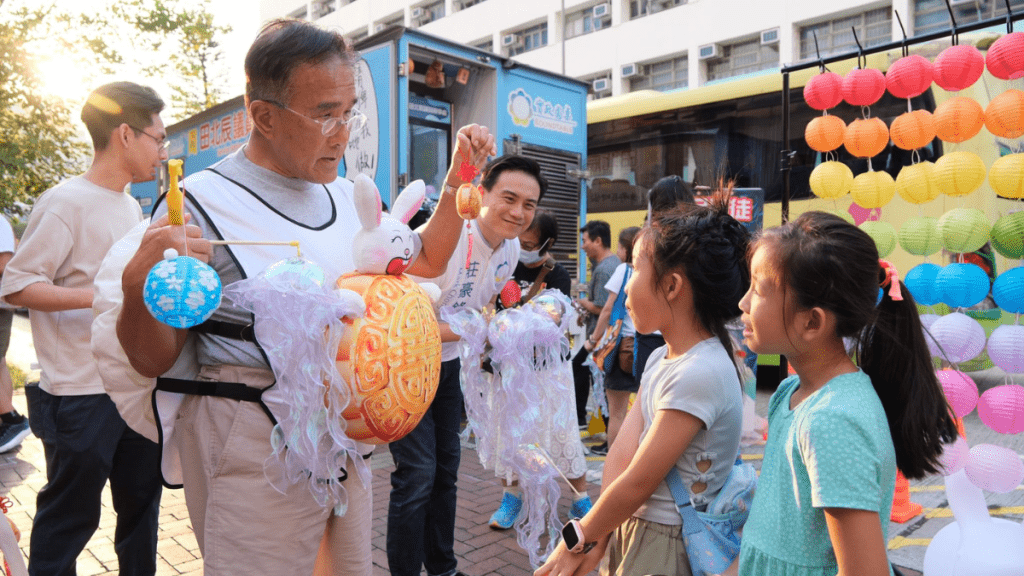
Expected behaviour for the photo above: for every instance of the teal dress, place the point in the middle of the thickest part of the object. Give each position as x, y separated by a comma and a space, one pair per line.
833, 451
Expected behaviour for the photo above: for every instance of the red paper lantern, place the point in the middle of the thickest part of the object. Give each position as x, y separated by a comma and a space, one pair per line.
913, 130
863, 86
1005, 58
824, 91
866, 137
825, 133
1004, 115
957, 67
958, 119
909, 76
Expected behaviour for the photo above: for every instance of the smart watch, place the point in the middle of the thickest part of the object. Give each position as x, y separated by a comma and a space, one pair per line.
572, 535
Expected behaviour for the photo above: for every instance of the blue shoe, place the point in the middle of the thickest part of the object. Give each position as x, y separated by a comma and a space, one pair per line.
580, 507
507, 513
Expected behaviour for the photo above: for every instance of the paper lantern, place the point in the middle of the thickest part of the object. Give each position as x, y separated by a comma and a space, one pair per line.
873, 189
994, 468
1008, 235
959, 336
181, 291
962, 285
926, 322
916, 183
1006, 349
957, 67
1002, 408
958, 119
831, 180
1005, 59
883, 234
964, 230
825, 133
920, 235
863, 86
1008, 290
920, 280
824, 91
959, 173
866, 137
909, 76
913, 130
1007, 176
954, 456
960, 390
1004, 115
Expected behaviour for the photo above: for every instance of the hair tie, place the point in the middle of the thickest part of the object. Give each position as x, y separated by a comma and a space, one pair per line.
892, 279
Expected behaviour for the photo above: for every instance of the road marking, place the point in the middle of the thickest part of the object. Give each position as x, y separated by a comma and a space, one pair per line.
998, 511
940, 487
899, 542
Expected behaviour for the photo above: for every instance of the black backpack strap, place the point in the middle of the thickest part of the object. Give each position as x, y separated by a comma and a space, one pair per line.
232, 390
243, 332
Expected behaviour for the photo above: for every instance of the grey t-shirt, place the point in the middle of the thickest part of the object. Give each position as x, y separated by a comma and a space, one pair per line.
598, 278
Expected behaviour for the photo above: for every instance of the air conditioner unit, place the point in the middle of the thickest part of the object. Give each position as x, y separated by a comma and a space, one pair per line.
961, 2
602, 85
770, 37
629, 70
456, 5
417, 13
510, 40
379, 27
707, 51
603, 11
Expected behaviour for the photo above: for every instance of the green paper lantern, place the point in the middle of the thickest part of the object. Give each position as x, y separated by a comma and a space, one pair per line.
831, 180
844, 215
1008, 235
873, 189
959, 173
920, 236
916, 183
964, 230
883, 234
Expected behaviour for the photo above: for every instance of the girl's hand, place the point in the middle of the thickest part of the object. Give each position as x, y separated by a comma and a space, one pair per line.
561, 562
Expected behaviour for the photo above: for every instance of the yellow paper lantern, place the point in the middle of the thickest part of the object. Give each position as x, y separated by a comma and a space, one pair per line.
873, 189
916, 183
1004, 115
958, 119
831, 180
825, 133
913, 130
1007, 176
866, 137
959, 173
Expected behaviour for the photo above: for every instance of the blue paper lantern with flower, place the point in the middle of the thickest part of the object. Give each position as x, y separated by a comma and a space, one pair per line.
1008, 290
962, 285
920, 280
181, 291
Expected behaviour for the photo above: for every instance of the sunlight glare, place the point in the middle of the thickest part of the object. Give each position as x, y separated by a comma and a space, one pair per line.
61, 77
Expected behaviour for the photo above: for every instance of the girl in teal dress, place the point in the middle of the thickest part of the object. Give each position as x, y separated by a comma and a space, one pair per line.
838, 429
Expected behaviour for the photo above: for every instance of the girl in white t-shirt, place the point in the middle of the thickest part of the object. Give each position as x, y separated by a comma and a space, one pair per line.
690, 272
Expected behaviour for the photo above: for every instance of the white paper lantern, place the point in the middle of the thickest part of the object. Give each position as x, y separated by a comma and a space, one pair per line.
926, 322
954, 456
959, 336
994, 468
1006, 348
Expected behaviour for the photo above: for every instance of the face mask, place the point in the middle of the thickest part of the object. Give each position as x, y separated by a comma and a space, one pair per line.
529, 257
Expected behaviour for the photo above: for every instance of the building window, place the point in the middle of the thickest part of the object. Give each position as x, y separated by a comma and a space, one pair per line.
742, 58
357, 35
484, 44
427, 13
393, 20
298, 13
583, 21
874, 27
640, 8
322, 8
463, 4
932, 15
529, 39
662, 76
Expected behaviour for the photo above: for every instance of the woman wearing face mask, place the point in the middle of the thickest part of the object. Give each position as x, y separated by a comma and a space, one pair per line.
537, 270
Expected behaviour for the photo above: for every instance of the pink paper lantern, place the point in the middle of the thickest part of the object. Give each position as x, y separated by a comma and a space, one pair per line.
1005, 58
960, 390
909, 76
994, 468
824, 91
1002, 408
1006, 348
863, 86
954, 457
959, 336
926, 321
957, 67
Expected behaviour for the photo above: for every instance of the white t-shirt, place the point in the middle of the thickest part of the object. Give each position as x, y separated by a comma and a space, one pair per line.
614, 286
702, 382
474, 285
6, 236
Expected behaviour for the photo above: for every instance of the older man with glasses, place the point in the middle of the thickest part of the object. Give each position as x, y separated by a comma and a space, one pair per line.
282, 185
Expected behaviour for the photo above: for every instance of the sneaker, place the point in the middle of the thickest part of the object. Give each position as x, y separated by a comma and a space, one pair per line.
600, 449
580, 507
11, 435
507, 513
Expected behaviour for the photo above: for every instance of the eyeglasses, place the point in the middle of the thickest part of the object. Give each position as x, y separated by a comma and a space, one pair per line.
163, 143
353, 120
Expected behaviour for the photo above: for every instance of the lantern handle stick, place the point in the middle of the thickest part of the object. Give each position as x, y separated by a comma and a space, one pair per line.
821, 61
952, 24
906, 50
861, 60
1009, 17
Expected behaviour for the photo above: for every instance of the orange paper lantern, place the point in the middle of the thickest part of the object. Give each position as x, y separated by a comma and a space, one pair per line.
866, 137
959, 173
873, 189
825, 133
958, 119
863, 86
913, 130
957, 67
1005, 59
1004, 115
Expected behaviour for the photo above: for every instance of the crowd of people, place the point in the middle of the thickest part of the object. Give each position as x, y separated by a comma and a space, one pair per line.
838, 428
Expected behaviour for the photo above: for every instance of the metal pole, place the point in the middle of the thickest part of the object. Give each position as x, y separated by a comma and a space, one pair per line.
787, 154
562, 20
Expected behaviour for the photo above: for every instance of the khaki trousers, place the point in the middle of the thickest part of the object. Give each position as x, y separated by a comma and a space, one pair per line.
242, 523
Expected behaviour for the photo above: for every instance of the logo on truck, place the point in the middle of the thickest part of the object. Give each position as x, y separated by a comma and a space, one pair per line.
545, 115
